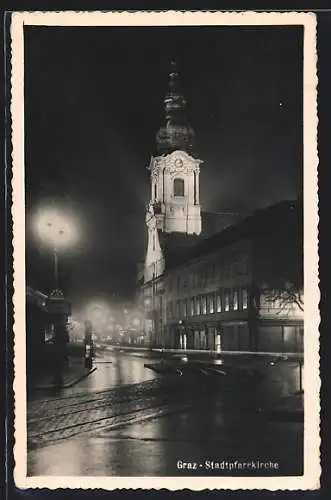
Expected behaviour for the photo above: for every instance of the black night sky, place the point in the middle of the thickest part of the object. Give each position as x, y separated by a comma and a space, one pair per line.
94, 102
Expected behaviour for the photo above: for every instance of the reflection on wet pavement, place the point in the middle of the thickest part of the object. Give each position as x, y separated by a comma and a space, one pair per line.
119, 370
154, 447
124, 420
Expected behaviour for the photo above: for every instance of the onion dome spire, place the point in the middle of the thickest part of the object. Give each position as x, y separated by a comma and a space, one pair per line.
176, 133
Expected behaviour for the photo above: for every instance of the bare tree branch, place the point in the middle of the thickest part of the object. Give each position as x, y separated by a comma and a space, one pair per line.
284, 295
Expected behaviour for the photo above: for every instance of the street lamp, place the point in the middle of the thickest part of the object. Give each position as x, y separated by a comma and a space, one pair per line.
57, 230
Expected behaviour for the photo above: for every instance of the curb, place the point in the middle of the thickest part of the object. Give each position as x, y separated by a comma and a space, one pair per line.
68, 384
162, 370
217, 354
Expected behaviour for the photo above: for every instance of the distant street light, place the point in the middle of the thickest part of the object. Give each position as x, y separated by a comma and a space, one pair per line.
97, 311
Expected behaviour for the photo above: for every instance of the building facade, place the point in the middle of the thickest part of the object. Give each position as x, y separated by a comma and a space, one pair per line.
239, 289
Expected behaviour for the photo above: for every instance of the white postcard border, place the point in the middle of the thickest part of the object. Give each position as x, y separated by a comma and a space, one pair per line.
312, 468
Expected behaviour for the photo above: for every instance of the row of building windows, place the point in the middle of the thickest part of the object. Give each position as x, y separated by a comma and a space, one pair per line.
222, 300
208, 274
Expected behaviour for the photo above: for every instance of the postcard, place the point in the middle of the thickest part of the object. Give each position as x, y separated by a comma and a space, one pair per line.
165, 249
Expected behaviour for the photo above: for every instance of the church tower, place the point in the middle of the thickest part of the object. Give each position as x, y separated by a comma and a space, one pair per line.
174, 206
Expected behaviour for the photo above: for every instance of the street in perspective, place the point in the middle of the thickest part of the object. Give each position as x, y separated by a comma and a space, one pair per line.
144, 412
165, 323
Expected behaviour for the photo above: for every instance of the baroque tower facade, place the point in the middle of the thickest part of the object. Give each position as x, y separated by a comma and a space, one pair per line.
174, 206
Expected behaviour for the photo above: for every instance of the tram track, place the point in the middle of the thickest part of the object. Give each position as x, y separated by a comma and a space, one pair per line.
62, 421
38, 408
112, 422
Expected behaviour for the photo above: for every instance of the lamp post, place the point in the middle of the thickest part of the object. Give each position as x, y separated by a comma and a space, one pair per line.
57, 231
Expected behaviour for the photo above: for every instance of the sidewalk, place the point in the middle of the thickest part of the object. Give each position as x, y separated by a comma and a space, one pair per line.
73, 372
274, 383
289, 408
207, 354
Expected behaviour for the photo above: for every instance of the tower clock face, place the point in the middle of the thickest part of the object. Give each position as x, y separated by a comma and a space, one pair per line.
179, 162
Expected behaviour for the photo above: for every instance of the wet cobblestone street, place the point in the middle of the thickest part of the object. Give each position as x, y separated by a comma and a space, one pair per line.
146, 427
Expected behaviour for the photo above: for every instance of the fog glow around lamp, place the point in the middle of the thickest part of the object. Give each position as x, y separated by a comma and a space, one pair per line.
55, 229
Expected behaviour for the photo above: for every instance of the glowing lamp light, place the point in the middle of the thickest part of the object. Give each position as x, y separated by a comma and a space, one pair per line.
55, 228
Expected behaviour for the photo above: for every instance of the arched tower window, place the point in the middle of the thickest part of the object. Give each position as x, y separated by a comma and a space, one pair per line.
178, 187
155, 191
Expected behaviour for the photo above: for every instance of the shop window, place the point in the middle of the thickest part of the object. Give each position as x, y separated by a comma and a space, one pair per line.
227, 301
218, 342
244, 298
235, 300
196, 339
203, 340
270, 339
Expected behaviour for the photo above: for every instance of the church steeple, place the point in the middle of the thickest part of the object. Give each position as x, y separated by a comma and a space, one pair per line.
176, 134
174, 206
